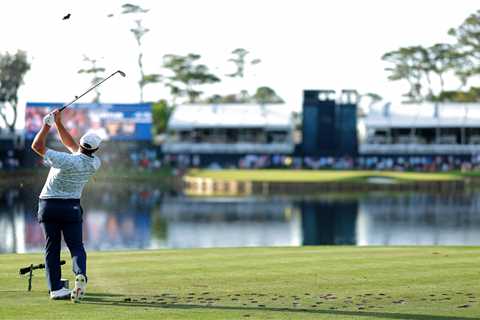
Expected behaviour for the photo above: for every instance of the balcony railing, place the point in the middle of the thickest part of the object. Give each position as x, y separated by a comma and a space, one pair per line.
233, 148
417, 148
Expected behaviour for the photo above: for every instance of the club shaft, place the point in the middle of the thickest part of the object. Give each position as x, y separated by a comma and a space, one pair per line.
78, 97
34, 267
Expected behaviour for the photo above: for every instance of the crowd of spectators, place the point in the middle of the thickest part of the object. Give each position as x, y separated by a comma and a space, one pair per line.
142, 159
394, 163
150, 158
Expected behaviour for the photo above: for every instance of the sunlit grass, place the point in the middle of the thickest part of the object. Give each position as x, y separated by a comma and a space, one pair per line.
258, 283
268, 175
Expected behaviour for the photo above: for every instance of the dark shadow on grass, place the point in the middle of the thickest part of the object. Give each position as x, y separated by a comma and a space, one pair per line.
112, 295
96, 298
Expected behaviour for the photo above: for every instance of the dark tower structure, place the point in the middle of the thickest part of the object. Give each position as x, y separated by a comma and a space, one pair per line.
318, 122
346, 123
329, 129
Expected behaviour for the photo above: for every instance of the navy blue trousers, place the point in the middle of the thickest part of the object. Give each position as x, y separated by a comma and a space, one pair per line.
62, 217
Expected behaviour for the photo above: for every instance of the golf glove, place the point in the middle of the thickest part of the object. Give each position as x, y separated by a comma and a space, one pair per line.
49, 119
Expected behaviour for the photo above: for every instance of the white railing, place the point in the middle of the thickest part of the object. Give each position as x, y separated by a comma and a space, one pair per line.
185, 147
418, 149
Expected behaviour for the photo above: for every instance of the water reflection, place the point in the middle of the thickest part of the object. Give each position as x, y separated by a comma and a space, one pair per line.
419, 218
231, 222
138, 216
329, 222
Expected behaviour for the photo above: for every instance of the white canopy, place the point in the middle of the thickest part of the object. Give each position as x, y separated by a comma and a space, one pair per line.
269, 116
427, 115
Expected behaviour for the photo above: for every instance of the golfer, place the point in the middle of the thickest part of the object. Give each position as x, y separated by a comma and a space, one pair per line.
59, 210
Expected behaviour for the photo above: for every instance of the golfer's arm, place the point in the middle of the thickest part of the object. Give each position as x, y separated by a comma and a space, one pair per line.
66, 138
38, 144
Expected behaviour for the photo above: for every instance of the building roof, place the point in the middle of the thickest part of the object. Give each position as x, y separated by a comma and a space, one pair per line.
269, 116
424, 115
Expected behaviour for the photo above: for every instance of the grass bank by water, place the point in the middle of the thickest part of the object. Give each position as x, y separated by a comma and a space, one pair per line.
319, 176
258, 175
436, 283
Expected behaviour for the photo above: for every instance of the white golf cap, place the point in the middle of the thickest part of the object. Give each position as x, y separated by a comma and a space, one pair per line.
90, 140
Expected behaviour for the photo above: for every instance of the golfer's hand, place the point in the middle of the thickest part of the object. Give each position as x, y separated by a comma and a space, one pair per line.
58, 116
48, 119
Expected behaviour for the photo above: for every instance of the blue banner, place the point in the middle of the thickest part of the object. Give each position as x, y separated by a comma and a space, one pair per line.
118, 121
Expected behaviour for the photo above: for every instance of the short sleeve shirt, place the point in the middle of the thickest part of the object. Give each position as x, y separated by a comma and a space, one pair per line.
69, 173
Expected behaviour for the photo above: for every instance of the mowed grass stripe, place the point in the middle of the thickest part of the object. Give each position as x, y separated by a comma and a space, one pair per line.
275, 175
259, 283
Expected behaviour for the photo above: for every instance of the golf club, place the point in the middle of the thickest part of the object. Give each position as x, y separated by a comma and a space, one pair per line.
78, 97
34, 267
30, 269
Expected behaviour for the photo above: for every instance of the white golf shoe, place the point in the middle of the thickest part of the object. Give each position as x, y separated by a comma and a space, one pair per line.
60, 294
79, 290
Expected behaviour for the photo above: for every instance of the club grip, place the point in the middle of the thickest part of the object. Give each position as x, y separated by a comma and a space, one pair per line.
26, 269
34, 267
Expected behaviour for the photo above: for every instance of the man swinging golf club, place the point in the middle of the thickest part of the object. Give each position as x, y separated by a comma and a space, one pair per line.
59, 210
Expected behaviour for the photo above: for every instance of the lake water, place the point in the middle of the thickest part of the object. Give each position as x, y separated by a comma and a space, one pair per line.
141, 216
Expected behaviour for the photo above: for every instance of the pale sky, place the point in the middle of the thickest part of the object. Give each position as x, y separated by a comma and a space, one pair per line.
302, 44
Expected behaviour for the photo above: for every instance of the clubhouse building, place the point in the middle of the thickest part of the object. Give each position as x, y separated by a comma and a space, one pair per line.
422, 129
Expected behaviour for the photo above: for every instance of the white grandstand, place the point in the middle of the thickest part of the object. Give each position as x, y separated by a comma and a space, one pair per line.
451, 128
230, 129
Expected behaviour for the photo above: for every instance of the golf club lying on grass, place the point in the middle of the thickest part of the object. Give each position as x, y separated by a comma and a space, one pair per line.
78, 97
30, 269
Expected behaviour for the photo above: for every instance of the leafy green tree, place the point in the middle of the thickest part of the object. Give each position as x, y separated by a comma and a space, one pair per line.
408, 63
13, 68
187, 75
266, 95
240, 60
263, 94
96, 72
215, 98
151, 78
175, 90
467, 36
471, 95
139, 31
223, 99
441, 57
463, 68
161, 112
416, 64
242, 97
426, 66
372, 97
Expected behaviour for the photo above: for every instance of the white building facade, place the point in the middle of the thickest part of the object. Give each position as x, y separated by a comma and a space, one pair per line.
421, 129
230, 129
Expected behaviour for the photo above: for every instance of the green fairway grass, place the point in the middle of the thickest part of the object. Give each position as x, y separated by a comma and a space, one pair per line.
272, 175
436, 283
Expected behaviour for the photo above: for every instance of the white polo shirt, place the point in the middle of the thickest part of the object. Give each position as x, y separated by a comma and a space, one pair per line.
69, 173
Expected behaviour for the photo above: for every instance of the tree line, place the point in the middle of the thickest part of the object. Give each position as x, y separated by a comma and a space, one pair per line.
184, 75
441, 72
